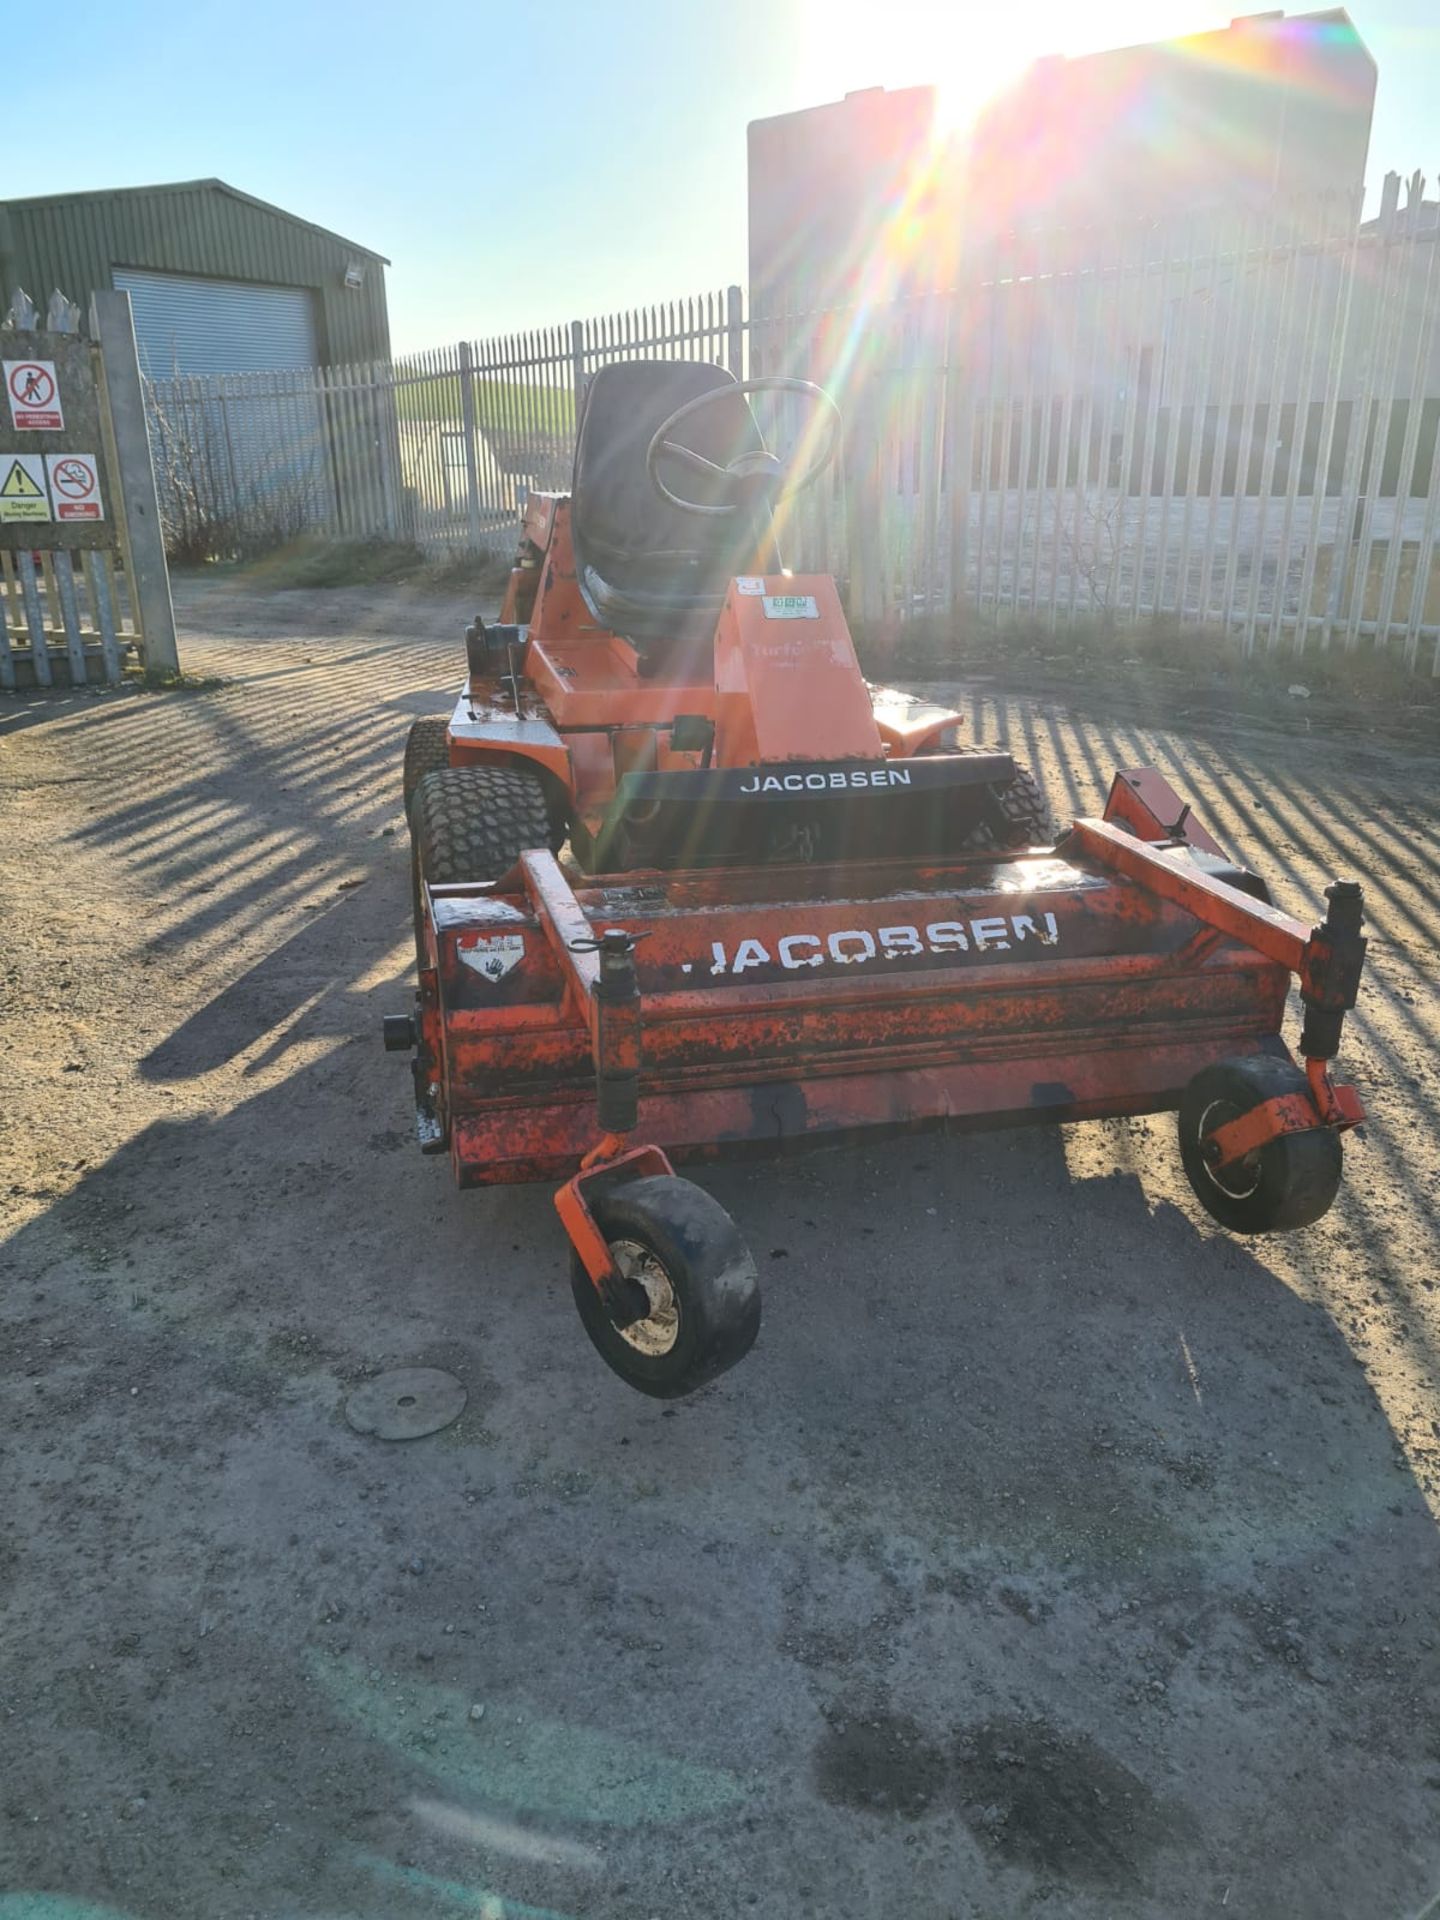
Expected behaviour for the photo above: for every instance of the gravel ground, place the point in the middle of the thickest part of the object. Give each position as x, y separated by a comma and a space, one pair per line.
1051, 1553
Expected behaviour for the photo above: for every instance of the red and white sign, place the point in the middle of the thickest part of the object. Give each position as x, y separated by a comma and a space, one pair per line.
34, 395
74, 486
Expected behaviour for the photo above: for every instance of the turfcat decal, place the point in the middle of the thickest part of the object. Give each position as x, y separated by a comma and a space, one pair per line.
991, 933
825, 782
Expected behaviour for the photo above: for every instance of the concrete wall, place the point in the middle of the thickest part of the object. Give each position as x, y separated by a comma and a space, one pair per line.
857, 196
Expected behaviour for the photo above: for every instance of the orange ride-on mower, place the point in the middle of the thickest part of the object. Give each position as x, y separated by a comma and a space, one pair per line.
793, 906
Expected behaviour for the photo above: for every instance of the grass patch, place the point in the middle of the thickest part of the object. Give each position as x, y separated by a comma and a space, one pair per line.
499, 404
467, 572
331, 563
166, 680
310, 563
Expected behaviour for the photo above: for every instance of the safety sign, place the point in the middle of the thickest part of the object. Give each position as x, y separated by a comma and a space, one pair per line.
22, 487
34, 396
75, 486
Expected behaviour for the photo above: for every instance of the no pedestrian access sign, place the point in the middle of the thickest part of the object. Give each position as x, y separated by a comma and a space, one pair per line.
75, 486
34, 396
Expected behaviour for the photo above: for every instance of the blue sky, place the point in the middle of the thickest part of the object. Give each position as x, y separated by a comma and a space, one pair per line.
524, 164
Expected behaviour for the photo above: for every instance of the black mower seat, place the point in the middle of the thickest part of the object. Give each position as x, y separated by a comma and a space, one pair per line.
648, 571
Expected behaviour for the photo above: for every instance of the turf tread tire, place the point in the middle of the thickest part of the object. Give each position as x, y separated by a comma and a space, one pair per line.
709, 1266
427, 750
473, 823
1298, 1173
1017, 813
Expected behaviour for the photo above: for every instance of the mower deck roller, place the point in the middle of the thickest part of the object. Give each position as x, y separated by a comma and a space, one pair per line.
793, 910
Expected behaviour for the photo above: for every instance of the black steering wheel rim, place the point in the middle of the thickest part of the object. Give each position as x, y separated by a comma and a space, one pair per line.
660, 443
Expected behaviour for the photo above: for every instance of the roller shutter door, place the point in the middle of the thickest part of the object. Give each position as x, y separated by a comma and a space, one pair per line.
239, 437
191, 325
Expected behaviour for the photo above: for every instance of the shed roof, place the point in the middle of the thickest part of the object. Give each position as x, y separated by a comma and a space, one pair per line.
196, 186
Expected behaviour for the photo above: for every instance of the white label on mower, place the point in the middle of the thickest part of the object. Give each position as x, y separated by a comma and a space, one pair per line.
991, 933
790, 606
825, 782
750, 585
491, 955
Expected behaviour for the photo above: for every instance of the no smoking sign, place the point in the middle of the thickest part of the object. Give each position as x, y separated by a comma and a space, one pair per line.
34, 395
74, 486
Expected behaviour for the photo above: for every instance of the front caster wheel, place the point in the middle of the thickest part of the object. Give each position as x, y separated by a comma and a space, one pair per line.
1289, 1182
685, 1251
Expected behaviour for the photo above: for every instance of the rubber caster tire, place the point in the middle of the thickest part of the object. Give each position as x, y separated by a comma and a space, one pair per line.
688, 1254
1289, 1182
427, 750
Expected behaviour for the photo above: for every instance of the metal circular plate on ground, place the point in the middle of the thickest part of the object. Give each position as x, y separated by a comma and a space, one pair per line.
406, 1403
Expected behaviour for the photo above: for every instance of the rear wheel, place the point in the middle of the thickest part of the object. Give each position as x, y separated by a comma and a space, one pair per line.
1289, 1182
1016, 814
427, 750
677, 1243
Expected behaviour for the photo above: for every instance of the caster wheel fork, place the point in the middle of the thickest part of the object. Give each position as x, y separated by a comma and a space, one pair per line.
663, 1282
1260, 1149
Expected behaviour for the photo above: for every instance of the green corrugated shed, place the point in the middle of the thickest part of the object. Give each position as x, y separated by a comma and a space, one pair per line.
206, 230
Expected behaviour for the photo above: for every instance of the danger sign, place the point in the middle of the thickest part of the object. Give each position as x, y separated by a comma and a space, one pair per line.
22, 487
34, 395
75, 486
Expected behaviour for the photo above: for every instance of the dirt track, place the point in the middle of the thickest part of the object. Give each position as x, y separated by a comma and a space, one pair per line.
1052, 1552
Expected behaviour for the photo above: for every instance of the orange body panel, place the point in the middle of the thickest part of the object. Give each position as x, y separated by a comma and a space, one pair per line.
1140, 797
596, 682
777, 689
789, 688
558, 610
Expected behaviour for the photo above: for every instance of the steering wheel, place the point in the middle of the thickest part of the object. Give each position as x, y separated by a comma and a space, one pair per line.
755, 461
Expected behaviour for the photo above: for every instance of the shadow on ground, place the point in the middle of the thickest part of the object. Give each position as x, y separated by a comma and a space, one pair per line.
1043, 1542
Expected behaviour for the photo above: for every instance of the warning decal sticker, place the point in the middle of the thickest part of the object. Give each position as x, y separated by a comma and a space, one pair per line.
490, 955
22, 487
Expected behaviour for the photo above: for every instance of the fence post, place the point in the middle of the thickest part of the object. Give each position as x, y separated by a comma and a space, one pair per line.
387, 439
577, 363
472, 457
1354, 473
735, 331
114, 329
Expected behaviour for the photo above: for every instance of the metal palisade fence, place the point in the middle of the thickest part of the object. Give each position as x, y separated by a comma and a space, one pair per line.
438, 448
1229, 421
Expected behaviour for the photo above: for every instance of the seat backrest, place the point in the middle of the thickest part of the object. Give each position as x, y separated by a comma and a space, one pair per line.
619, 523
